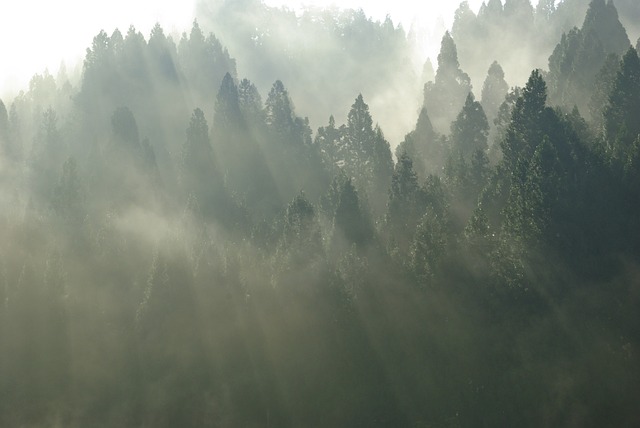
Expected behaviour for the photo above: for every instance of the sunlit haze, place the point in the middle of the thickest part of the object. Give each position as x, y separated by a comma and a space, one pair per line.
38, 35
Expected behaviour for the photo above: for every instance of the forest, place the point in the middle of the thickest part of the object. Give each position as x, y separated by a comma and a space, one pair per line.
276, 219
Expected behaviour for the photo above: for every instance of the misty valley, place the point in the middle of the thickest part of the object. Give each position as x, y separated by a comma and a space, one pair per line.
281, 219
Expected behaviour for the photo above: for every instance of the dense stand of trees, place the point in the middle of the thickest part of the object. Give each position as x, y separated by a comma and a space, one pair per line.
178, 250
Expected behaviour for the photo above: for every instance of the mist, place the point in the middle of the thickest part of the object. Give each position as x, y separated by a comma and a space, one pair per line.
243, 214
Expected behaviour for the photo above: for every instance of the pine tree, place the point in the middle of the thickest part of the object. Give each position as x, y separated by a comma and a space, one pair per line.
406, 204
494, 90
424, 147
621, 114
302, 237
68, 196
279, 112
228, 117
445, 97
351, 224
470, 130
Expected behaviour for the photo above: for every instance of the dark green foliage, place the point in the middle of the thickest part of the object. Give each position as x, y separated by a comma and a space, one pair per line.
406, 204
621, 114
428, 247
603, 87
470, 129
351, 224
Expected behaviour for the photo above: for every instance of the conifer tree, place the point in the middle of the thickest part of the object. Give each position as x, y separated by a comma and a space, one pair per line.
445, 97
621, 114
494, 90
470, 129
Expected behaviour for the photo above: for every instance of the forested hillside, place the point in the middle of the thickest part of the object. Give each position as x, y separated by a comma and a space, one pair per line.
213, 229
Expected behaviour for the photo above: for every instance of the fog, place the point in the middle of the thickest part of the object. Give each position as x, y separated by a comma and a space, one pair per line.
233, 213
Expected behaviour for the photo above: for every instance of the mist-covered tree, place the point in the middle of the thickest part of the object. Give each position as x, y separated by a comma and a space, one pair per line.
470, 129
351, 222
361, 150
581, 53
197, 167
47, 155
302, 237
163, 53
424, 147
279, 112
445, 97
68, 201
519, 15
494, 90
544, 11
126, 137
250, 103
5, 143
204, 61
602, 19
405, 206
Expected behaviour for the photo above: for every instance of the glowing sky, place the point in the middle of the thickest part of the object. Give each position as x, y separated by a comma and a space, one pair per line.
39, 34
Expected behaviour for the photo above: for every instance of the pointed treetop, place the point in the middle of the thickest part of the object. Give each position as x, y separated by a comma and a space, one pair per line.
359, 118
495, 70
448, 56
535, 93
603, 21
227, 106
278, 108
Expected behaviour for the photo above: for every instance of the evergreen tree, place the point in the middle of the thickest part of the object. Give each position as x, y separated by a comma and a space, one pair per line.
494, 91
351, 223
424, 147
204, 62
428, 247
279, 112
250, 103
302, 237
406, 204
602, 19
126, 138
603, 87
581, 53
68, 196
163, 53
445, 97
228, 117
5, 144
621, 114
198, 173
470, 129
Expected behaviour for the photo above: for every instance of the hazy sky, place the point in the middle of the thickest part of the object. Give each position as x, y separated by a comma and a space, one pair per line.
39, 34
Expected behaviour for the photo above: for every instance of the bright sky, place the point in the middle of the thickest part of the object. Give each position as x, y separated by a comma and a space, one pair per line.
39, 34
